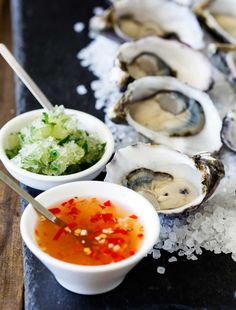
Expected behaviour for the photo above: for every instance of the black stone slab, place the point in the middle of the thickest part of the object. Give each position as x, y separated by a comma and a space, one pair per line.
46, 45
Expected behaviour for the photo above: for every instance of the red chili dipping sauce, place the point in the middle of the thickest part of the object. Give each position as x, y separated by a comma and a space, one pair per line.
105, 232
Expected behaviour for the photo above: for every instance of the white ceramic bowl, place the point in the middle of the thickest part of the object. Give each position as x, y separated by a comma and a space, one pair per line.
92, 279
87, 122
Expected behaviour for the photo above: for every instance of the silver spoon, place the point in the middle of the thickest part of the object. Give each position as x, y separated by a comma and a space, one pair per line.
36, 205
25, 78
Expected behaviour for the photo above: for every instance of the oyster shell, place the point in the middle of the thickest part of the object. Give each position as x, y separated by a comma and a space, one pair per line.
228, 133
171, 180
132, 20
172, 113
220, 17
223, 57
182, 2
153, 56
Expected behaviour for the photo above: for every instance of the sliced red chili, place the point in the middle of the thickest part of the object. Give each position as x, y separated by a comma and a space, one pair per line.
140, 235
72, 225
55, 210
71, 201
120, 231
73, 211
58, 234
101, 206
97, 229
93, 253
115, 240
96, 217
64, 203
133, 216
91, 237
116, 256
107, 217
107, 203
107, 251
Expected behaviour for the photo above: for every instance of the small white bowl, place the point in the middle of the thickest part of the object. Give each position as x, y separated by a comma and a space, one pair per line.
90, 280
42, 182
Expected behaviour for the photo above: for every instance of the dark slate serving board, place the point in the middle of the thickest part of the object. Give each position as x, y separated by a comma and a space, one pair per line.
46, 45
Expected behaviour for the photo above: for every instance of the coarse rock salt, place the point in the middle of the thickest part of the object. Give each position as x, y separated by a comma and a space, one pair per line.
98, 10
79, 27
212, 226
211, 217
161, 270
81, 90
172, 259
156, 254
99, 57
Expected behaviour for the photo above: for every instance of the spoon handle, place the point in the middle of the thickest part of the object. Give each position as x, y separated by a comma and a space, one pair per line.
37, 206
25, 78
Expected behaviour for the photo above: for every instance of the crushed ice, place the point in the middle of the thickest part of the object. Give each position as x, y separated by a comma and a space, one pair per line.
212, 227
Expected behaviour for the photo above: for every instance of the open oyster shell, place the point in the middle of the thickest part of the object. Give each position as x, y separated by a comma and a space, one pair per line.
132, 20
172, 113
220, 17
172, 181
228, 133
223, 57
182, 2
153, 56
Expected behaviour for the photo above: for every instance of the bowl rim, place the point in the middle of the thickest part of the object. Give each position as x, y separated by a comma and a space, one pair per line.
109, 149
142, 251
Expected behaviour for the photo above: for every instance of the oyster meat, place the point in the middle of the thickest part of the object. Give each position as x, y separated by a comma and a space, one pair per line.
219, 17
153, 56
132, 20
223, 57
172, 113
172, 181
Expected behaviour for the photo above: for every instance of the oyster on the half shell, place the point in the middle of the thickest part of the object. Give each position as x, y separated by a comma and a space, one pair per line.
132, 20
172, 181
223, 57
228, 133
153, 56
172, 113
220, 17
